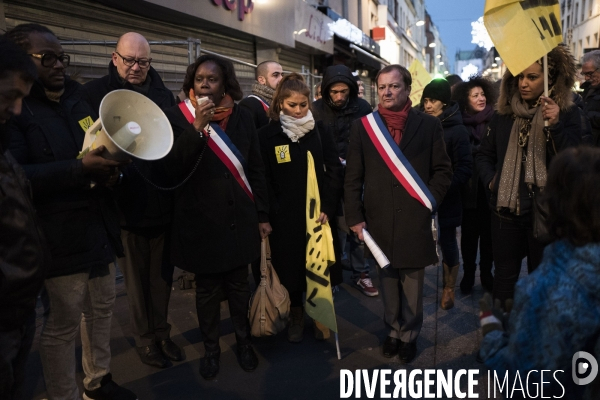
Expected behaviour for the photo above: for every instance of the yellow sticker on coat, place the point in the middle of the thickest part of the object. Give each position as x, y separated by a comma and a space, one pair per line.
86, 123
282, 153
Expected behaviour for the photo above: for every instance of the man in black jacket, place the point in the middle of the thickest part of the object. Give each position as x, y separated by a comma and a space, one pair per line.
21, 244
79, 222
337, 109
590, 69
268, 75
145, 210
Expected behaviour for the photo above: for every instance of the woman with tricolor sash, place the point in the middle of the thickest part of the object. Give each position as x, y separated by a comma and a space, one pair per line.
220, 209
522, 138
285, 142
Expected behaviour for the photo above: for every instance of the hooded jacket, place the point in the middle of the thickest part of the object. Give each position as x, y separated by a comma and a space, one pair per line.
144, 209
80, 223
566, 133
338, 120
458, 147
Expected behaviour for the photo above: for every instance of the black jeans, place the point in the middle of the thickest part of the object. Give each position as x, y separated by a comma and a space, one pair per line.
476, 231
210, 290
14, 349
449, 246
512, 240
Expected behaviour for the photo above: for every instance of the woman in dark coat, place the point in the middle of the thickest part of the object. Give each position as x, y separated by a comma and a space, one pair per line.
436, 102
216, 229
476, 99
285, 142
514, 155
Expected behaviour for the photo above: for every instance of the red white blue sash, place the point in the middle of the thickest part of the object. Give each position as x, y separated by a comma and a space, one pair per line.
264, 103
223, 147
397, 162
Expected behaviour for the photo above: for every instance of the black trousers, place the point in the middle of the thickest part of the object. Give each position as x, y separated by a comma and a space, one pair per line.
14, 349
512, 240
210, 290
148, 279
476, 231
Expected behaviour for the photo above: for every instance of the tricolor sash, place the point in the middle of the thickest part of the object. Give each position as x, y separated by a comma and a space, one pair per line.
223, 147
264, 103
397, 162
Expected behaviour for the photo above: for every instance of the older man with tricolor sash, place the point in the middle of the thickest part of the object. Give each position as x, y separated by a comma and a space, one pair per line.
397, 173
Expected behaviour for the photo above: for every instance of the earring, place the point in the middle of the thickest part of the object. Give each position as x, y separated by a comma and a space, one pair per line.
223, 94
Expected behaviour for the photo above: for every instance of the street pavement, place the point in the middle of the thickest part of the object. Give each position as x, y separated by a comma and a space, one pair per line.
308, 370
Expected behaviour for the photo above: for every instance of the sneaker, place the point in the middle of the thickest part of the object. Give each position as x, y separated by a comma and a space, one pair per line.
365, 285
109, 390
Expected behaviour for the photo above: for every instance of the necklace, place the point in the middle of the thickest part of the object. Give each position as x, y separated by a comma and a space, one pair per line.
524, 133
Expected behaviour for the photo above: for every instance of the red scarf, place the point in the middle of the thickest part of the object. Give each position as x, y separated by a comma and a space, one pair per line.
395, 120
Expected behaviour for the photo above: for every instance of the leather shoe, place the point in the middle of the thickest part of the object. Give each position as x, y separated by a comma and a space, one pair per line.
171, 350
247, 357
407, 351
209, 365
151, 355
390, 347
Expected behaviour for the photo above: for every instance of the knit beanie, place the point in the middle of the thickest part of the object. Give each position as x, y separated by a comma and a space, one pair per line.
438, 89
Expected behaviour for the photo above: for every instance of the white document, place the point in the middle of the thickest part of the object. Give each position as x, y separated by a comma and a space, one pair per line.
381, 259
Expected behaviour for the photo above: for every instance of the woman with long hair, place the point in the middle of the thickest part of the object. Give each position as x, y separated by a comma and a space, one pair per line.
515, 153
436, 102
476, 99
220, 210
285, 142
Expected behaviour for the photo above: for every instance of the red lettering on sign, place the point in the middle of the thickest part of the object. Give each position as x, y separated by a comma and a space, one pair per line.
244, 6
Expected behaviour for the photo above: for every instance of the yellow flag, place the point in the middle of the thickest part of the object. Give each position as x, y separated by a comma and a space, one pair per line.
523, 31
420, 79
319, 256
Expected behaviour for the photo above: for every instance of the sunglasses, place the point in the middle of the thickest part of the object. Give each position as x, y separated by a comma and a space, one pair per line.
49, 60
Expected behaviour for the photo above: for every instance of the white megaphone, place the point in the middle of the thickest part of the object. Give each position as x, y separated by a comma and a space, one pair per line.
130, 125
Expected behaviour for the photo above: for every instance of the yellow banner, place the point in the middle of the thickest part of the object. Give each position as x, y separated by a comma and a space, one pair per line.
420, 79
319, 256
523, 31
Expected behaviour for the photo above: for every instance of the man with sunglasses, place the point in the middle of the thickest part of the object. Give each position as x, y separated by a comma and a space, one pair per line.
590, 69
145, 211
80, 222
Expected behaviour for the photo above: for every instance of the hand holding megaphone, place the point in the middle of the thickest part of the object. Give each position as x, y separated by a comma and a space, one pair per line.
100, 169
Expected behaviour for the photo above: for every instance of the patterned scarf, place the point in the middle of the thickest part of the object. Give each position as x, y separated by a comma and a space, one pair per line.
477, 122
295, 128
528, 121
396, 120
263, 91
222, 111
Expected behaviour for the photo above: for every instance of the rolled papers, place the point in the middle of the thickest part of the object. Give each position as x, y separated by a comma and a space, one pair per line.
376, 251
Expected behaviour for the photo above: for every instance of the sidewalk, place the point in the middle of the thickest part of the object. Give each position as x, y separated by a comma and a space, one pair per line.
309, 370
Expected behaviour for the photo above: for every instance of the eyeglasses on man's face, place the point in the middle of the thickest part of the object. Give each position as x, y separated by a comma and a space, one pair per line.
49, 60
588, 75
130, 61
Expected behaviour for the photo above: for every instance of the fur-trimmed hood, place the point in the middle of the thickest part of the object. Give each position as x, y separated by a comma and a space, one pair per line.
561, 71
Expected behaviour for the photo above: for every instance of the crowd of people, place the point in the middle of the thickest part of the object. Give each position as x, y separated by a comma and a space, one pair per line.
475, 158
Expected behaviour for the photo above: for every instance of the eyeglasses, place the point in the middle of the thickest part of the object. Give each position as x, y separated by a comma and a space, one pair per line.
130, 61
49, 60
589, 74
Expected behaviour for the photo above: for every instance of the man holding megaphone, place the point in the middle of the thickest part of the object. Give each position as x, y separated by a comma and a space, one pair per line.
79, 222
145, 211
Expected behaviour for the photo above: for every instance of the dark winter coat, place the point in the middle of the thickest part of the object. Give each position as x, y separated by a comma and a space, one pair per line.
286, 182
458, 148
23, 253
592, 111
258, 112
399, 224
143, 207
338, 121
81, 224
490, 158
215, 223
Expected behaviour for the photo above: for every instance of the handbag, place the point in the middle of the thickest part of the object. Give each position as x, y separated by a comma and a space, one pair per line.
539, 215
270, 303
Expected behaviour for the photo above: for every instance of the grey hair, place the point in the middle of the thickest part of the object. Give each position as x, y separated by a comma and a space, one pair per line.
593, 57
